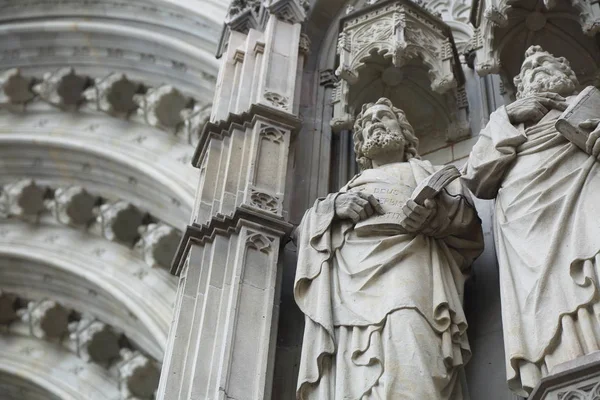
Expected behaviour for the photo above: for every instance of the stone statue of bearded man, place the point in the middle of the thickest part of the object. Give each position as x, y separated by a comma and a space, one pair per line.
380, 278
547, 232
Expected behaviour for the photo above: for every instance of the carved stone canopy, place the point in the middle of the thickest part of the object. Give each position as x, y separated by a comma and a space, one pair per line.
398, 50
505, 29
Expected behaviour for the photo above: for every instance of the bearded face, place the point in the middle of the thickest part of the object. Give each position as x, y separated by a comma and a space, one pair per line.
541, 72
381, 139
382, 133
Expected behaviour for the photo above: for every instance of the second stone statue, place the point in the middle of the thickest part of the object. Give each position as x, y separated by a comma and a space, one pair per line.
380, 278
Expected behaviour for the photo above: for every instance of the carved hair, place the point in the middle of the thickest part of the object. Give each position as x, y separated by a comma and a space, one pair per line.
412, 142
564, 67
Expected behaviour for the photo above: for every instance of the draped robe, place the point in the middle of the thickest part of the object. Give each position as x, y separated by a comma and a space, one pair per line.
384, 317
547, 236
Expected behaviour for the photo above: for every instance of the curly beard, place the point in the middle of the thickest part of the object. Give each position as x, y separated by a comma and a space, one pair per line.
551, 82
381, 140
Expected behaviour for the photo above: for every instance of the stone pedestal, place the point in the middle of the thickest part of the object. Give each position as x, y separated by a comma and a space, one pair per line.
574, 380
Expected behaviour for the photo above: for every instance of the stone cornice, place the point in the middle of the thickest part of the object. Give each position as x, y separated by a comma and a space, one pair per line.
223, 128
226, 225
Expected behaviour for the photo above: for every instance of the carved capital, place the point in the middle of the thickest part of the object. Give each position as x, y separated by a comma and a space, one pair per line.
63, 88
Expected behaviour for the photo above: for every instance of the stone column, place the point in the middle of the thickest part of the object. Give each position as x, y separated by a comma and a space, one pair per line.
222, 340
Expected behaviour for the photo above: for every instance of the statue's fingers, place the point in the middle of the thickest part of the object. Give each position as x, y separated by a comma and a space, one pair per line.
591, 123
558, 105
412, 224
407, 226
537, 114
543, 105
591, 142
362, 214
368, 209
413, 206
355, 207
417, 217
353, 216
550, 95
374, 202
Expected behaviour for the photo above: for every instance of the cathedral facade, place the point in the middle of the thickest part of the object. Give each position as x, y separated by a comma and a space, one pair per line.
158, 157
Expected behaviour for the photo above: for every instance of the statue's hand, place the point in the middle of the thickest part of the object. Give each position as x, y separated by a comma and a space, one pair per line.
356, 206
592, 145
533, 108
417, 217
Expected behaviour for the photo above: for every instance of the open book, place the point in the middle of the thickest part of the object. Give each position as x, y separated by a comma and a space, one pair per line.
392, 198
586, 106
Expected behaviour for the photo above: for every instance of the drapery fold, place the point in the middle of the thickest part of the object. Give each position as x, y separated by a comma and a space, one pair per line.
547, 238
350, 283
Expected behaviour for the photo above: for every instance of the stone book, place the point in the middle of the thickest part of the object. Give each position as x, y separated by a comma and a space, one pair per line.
392, 198
586, 106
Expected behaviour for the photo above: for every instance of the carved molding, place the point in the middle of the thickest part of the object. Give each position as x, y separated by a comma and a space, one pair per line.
63, 88
90, 339
163, 107
73, 206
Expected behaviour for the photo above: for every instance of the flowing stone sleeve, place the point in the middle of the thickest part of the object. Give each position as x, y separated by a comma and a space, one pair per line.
458, 225
316, 246
492, 154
